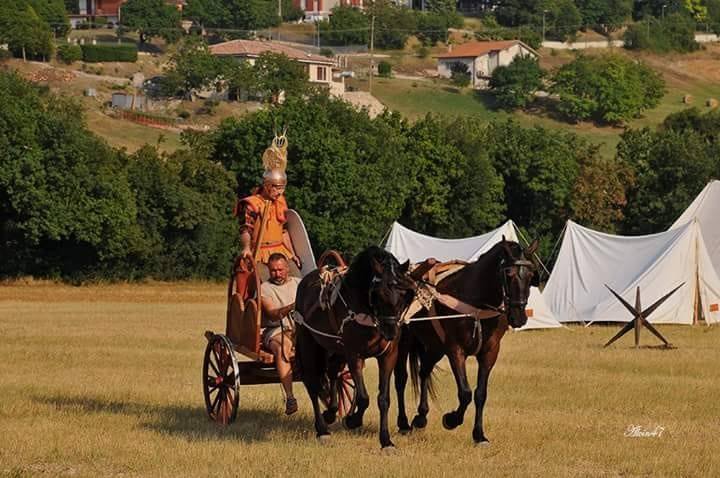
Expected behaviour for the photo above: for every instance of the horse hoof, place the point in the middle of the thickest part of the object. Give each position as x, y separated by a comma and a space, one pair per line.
419, 422
389, 450
329, 417
323, 439
405, 431
352, 423
449, 421
482, 444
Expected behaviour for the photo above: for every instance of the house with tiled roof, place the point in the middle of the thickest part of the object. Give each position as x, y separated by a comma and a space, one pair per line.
481, 58
318, 68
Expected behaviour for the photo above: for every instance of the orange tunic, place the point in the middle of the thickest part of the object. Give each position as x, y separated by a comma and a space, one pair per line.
251, 210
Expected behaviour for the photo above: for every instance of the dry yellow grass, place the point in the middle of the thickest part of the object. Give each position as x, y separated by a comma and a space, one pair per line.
105, 381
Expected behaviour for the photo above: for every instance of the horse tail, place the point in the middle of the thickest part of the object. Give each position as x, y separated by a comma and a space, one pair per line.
415, 358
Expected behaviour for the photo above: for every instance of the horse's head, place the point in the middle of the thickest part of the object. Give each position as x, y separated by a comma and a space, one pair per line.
390, 293
518, 274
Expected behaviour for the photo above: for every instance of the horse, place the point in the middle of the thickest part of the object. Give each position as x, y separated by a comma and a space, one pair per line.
362, 322
498, 286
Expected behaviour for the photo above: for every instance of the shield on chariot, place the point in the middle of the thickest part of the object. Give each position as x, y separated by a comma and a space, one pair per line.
301, 242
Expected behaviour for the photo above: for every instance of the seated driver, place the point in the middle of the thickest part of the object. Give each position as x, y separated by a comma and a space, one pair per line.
277, 297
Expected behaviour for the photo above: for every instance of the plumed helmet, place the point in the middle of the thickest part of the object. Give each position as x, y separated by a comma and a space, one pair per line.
275, 159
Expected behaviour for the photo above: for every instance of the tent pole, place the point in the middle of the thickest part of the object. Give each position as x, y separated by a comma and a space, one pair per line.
696, 302
385, 236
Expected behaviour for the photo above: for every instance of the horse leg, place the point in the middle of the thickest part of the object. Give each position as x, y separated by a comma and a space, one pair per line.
401, 378
386, 363
362, 399
452, 420
312, 364
486, 360
333, 370
428, 360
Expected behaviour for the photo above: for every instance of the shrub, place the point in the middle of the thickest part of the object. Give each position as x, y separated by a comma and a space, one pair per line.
384, 69
514, 85
69, 53
460, 75
184, 114
327, 52
675, 32
609, 88
423, 52
100, 53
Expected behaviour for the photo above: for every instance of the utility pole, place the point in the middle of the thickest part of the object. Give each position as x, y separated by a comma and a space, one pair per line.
372, 49
543, 31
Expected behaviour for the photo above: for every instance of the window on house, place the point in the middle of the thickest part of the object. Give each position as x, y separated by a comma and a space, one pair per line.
321, 73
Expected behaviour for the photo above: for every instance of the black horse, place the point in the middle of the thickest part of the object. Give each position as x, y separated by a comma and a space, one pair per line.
499, 283
362, 322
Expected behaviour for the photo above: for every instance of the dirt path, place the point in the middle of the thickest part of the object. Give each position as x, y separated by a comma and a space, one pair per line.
111, 79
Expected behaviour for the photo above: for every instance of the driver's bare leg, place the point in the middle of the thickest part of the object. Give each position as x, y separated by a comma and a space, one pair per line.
277, 344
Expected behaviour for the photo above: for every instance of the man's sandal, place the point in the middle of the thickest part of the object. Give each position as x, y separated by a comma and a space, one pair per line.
291, 406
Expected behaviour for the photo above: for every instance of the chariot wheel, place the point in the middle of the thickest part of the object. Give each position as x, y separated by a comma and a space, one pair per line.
344, 391
221, 380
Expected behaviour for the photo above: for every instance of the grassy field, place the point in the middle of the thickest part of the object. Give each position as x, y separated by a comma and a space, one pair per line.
105, 381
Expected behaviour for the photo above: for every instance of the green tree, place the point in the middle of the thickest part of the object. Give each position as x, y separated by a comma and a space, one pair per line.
460, 74
66, 207
455, 191
241, 79
53, 13
675, 32
605, 16
209, 13
26, 34
347, 173
276, 73
243, 15
347, 26
184, 210
671, 166
539, 167
151, 18
565, 20
194, 67
393, 23
514, 86
609, 88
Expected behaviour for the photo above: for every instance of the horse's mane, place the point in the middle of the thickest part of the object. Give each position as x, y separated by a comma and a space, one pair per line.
360, 272
486, 261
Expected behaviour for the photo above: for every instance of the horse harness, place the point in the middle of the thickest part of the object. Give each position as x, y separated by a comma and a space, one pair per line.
331, 281
427, 296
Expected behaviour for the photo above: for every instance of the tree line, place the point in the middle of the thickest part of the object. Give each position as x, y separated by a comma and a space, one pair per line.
75, 208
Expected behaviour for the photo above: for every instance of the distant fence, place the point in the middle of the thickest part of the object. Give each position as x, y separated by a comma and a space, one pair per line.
582, 45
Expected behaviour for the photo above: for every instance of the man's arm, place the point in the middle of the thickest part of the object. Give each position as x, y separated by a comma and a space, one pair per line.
289, 245
271, 315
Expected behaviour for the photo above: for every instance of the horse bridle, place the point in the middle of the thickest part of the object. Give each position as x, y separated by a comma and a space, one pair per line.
519, 263
374, 285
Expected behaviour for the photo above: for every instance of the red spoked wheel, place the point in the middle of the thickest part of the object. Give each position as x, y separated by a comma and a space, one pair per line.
346, 392
221, 380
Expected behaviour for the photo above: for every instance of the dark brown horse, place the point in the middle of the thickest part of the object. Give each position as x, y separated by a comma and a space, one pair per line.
498, 281
362, 322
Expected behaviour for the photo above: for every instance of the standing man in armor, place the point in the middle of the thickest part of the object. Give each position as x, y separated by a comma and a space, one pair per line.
262, 220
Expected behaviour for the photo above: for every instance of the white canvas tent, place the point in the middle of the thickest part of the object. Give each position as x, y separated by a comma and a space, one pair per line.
407, 244
706, 210
656, 263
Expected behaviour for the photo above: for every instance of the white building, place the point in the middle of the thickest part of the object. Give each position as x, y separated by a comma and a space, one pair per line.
318, 68
481, 58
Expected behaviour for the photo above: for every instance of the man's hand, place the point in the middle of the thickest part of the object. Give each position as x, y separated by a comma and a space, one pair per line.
246, 254
297, 262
